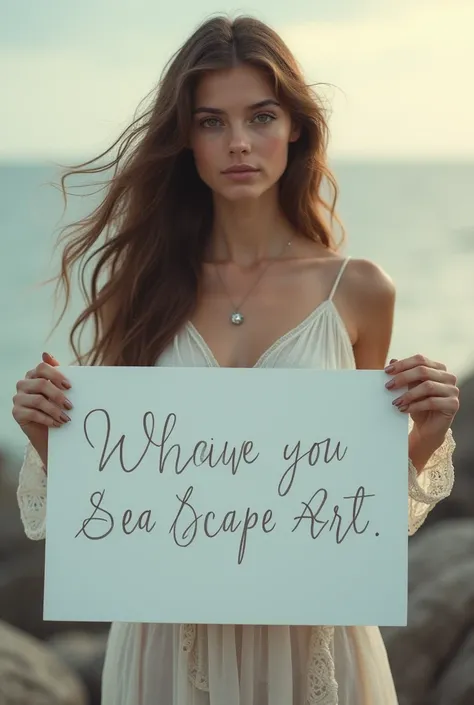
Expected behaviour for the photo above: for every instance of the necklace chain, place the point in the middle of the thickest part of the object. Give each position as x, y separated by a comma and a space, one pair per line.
236, 317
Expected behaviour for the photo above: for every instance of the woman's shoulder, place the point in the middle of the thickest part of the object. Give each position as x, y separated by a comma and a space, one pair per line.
360, 280
364, 294
368, 295
367, 279
369, 288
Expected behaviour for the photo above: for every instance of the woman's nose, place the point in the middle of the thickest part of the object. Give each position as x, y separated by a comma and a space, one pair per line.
239, 142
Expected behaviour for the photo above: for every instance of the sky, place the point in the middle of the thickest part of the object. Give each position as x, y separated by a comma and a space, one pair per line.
73, 74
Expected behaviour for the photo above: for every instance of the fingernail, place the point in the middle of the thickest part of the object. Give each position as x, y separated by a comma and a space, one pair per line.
390, 368
65, 417
55, 423
390, 384
397, 402
393, 360
65, 384
403, 408
67, 405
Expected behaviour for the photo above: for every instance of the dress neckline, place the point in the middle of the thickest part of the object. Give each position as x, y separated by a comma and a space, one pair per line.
327, 304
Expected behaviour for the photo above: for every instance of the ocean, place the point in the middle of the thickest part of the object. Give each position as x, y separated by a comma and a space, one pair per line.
415, 220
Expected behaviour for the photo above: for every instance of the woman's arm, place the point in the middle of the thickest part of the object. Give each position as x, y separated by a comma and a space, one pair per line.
432, 399
371, 294
39, 404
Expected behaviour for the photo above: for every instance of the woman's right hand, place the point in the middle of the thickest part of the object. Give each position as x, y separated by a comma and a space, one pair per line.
40, 403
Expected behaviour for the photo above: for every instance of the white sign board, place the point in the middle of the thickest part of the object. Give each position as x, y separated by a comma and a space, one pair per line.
228, 496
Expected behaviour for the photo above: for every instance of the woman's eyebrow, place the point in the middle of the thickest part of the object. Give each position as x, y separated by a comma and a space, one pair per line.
255, 106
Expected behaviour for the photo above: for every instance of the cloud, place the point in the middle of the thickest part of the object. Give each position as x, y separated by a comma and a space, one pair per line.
402, 76
402, 81
55, 23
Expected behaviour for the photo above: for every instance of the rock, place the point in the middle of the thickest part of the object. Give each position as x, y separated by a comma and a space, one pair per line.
439, 550
31, 674
22, 569
21, 591
440, 612
21, 564
12, 536
456, 685
461, 502
84, 653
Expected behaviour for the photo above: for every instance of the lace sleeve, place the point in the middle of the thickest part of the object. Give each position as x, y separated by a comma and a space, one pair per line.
430, 486
31, 495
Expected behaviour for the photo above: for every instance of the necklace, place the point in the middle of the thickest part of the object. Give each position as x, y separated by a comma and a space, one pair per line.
236, 317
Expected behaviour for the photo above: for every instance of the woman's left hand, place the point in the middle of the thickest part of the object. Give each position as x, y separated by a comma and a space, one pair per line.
432, 398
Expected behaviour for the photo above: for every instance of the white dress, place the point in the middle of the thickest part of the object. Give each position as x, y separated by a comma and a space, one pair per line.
172, 664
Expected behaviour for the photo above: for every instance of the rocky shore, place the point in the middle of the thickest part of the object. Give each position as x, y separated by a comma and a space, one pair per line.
41, 663
51, 663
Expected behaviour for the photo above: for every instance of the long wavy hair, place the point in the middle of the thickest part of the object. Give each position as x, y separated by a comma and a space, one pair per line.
138, 255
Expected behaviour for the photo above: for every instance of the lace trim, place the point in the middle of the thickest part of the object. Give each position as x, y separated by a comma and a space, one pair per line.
432, 485
198, 667
188, 637
321, 682
31, 494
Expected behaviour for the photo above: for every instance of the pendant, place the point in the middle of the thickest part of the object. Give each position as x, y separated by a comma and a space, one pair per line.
237, 319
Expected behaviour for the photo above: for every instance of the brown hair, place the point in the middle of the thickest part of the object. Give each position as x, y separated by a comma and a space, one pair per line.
146, 240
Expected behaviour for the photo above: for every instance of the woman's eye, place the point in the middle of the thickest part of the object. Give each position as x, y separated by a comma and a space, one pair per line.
260, 119
266, 118
213, 120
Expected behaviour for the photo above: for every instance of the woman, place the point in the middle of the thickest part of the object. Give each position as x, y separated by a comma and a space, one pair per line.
217, 252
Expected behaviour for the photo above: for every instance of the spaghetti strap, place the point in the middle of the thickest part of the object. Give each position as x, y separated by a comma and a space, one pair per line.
338, 278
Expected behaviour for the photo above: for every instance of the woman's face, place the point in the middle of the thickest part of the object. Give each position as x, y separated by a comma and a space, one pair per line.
237, 120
